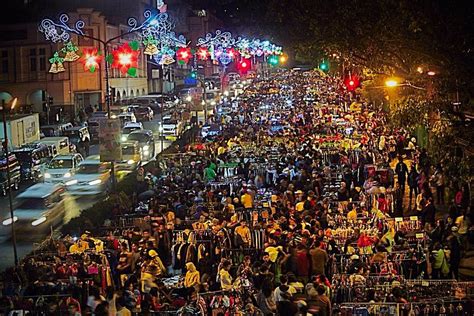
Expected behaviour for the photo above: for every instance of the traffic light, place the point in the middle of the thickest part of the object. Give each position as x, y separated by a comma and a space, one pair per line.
324, 66
273, 60
352, 82
244, 65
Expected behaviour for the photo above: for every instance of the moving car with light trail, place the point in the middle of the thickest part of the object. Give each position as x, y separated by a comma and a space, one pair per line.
92, 177
131, 157
40, 207
62, 167
145, 141
128, 128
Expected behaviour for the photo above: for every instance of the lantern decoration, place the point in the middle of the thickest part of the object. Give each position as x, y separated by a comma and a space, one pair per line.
125, 58
151, 47
202, 53
56, 64
91, 59
183, 55
70, 50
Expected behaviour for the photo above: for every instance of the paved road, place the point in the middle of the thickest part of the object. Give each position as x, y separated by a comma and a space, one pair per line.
77, 205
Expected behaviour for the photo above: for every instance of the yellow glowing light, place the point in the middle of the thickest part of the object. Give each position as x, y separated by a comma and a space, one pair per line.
391, 83
283, 59
420, 70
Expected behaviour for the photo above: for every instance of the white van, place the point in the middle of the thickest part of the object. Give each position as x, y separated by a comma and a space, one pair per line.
59, 145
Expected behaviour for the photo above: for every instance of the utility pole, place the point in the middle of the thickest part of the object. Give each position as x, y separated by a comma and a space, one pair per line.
10, 198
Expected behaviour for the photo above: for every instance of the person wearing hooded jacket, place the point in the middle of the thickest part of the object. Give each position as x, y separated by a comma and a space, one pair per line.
192, 277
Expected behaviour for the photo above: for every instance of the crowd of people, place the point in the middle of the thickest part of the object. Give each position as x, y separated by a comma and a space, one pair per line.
305, 202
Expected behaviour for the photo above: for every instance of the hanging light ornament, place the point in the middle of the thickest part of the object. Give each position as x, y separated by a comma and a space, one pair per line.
232, 53
202, 53
225, 58
91, 59
151, 47
183, 55
125, 58
70, 50
56, 64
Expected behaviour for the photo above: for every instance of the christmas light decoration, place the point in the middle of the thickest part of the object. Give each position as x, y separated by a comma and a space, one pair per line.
56, 64
125, 58
151, 47
183, 55
91, 59
70, 50
202, 53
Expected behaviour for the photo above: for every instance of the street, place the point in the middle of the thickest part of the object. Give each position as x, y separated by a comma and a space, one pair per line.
78, 204
258, 157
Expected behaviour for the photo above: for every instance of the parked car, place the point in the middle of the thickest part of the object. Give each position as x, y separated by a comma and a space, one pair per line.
145, 141
40, 207
15, 174
144, 113
128, 128
33, 159
92, 177
62, 167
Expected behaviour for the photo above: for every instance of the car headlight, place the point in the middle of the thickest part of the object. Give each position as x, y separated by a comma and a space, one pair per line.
40, 220
67, 175
9, 221
123, 138
146, 147
131, 162
95, 182
71, 182
47, 175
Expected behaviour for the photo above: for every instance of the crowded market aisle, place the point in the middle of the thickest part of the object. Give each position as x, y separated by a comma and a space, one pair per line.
306, 202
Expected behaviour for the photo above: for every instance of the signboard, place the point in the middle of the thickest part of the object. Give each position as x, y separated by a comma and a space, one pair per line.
109, 140
190, 81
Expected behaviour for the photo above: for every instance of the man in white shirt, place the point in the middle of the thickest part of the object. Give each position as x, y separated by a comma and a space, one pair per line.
277, 293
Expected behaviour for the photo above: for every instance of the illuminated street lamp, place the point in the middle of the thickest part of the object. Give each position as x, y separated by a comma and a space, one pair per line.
10, 199
431, 73
391, 83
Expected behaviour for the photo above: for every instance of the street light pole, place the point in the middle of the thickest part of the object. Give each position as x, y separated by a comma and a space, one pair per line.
10, 198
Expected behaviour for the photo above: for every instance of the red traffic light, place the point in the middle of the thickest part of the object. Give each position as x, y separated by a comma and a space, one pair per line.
351, 83
244, 65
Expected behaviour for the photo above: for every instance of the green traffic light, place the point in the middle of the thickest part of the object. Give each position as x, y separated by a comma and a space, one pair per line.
324, 66
273, 60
